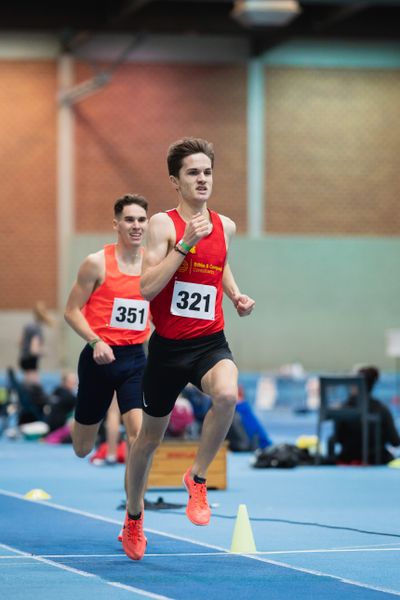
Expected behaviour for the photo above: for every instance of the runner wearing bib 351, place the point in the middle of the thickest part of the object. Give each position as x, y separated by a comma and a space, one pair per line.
105, 307
185, 273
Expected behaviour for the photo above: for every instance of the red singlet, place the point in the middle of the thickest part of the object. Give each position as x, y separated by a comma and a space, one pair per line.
116, 311
190, 305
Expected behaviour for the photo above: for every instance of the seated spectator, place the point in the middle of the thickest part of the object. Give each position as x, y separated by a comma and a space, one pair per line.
182, 417
61, 402
254, 429
349, 433
246, 432
32, 400
200, 402
26, 402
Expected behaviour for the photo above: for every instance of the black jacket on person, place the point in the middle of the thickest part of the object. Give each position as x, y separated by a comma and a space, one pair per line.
348, 434
59, 407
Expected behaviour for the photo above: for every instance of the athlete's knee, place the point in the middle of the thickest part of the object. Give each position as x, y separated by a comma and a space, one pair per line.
82, 449
225, 399
149, 441
131, 437
83, 438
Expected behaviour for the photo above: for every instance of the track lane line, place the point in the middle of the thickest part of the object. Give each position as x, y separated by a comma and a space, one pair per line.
258, 556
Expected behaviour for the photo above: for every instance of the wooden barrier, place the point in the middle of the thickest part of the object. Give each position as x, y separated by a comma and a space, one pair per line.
173, 457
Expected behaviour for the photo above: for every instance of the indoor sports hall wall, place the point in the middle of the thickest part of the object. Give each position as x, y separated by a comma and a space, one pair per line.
321, 256
123, 133
28, 183
332, 151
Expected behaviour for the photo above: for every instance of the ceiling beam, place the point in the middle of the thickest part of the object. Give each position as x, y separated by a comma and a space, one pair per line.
341, 14
128, 8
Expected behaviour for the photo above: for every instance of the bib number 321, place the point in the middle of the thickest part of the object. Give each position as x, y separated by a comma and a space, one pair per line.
129, 314
194, 300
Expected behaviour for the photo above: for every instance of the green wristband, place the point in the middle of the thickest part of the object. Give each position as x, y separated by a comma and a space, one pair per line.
92, 343
184, 245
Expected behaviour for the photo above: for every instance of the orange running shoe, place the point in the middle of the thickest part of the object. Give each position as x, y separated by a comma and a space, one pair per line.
197, 510
133, 539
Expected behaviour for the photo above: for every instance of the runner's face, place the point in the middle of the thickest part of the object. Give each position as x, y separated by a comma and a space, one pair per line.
131, 224
195, 178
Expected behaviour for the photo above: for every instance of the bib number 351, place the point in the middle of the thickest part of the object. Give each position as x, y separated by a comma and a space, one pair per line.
194, 300
129, 314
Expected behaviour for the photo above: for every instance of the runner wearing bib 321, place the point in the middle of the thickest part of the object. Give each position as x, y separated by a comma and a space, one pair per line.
185, 273
187, 314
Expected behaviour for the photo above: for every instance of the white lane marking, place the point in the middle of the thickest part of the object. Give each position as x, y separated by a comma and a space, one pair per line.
46, 561
328, 551
109, 520
322, 574
250, 556
222, 554
52, 563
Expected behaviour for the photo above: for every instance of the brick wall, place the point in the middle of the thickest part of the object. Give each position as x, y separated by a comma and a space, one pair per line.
333, 152
123, 133
28, 184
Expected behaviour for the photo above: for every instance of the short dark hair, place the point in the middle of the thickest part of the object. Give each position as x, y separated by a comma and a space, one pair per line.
185, 147
371, 376
127, 200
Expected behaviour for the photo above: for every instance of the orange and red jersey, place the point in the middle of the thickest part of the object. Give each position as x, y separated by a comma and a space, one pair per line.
190, 305
116, 311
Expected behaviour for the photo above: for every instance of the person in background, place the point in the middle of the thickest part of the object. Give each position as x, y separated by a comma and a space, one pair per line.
349, 433
182, 419
257, 436
31, 345
61, 402
111, 448
246, 432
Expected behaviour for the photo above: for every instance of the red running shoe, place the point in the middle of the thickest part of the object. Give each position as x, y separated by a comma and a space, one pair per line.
133, 539
197, 510
99, 457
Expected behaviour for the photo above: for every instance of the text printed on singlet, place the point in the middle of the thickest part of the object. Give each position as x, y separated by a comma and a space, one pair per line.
129, 314
194, 300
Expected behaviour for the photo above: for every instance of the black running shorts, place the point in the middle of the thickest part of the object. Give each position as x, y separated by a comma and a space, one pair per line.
172, 364
97, 383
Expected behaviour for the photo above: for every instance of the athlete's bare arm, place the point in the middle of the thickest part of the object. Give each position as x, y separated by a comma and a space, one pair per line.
160, 259
243, 303
90, 275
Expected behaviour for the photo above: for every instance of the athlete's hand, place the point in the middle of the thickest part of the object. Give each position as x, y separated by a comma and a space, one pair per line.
196, 229
103, 354
243, 304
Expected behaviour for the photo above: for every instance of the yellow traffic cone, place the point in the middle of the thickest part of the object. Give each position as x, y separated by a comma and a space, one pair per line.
243, 539
37, 494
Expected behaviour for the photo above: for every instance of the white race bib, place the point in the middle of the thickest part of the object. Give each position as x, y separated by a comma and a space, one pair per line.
194, 300
129, 314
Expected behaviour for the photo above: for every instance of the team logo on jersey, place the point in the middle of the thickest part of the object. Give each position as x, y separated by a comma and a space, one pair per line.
184, 267
193, 250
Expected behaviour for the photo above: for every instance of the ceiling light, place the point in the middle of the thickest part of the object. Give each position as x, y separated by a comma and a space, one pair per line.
265, 13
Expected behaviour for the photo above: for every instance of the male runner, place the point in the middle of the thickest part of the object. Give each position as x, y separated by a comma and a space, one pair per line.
105, 307
185, 273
